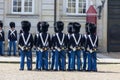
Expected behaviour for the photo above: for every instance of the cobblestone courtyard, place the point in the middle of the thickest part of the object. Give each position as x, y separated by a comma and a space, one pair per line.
10, 71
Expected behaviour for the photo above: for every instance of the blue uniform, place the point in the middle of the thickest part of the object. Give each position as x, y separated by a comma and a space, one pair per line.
43, 44
12, 40
53, 55
26, 41
85, 52
76, 41
92, 44
59, 41
37, 52
2, 39
69, 50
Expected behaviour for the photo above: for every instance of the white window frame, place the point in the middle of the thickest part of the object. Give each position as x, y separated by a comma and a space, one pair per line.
22, 8
77, 13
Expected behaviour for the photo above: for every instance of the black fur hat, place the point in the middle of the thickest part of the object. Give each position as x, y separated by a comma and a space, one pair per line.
1, 24
55, 29
39, 27
59, 26
87, 28
70, 28
12, 24
76, 27
26, 26
45, 26
92, 28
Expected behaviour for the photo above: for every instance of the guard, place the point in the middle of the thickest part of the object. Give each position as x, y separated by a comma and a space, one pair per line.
39, 25
92, 45
85, 52
25, 45
70, 31
53, 49
60, 44
12, 39
76, 42
43, 45
2, 39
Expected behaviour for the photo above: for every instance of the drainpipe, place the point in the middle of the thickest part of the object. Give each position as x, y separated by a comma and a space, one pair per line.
55, 10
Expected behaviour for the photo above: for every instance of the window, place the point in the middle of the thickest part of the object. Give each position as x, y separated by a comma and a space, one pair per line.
22, 6
77, 7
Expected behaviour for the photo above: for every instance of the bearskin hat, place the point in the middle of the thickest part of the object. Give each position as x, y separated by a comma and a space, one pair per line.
87, 28
55, 29
26, 26
92, 28
12, 24
39, 27
70, 27
1, 24
59, 26
45, 26
76, 27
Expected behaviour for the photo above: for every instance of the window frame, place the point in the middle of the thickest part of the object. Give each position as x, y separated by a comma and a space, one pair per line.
22, 8
77, 6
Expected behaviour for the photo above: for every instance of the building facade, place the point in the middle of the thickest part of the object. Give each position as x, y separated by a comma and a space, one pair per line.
66, 11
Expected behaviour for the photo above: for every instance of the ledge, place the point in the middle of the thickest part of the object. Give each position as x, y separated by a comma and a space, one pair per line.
22, 15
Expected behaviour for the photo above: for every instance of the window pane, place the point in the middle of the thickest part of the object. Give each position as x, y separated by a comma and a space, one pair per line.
30, 9
80, 0
73, 5
26, 4
73, 1
19, 3
30, 3
80, 5
14, 2
73, 11
15, 9
26, 9
19, 9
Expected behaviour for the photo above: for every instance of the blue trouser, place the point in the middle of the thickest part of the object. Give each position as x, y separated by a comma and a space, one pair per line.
28, 54
12, 44
92, 62
78, 56
85, 53
56, 60
69, 57
53, 58
62, 59
45, 60
37, 59
72, 60
1, 48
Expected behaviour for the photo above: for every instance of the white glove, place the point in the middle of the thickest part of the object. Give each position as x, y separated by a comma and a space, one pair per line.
74, 49
71, 47
58, 49
8, 40
41, 50
22, 48
90, 51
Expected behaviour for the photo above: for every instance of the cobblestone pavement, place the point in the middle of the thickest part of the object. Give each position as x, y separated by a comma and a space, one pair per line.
10, 71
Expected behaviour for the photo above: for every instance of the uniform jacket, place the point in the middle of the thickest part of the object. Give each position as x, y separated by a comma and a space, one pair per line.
2, 36
12, 36
30, 41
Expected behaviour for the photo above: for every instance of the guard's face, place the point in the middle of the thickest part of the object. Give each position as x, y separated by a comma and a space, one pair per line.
13, 28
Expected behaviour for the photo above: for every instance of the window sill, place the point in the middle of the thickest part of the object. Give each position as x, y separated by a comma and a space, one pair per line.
23, 15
